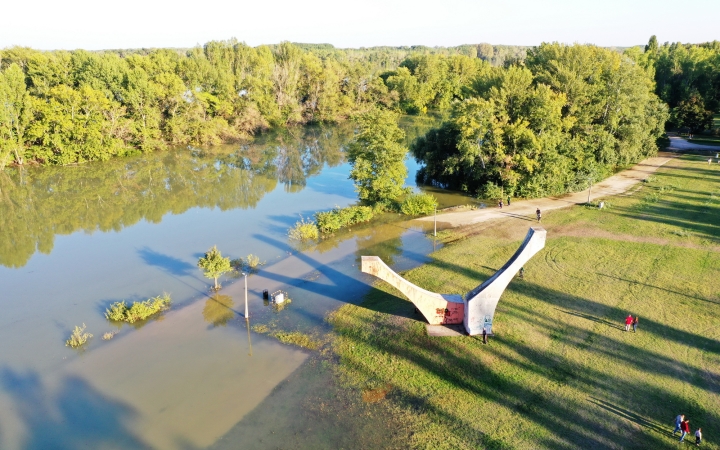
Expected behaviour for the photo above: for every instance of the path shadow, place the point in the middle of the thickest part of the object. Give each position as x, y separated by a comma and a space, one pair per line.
592, 318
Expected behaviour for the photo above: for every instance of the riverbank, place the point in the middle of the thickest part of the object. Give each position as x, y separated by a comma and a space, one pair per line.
561, 372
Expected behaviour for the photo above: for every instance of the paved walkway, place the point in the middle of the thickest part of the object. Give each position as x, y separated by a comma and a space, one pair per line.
616, 184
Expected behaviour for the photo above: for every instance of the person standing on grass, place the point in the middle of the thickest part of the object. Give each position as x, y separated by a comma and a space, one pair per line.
539, 214
678, 423
634, 323
698, 437
685, 428
628, 322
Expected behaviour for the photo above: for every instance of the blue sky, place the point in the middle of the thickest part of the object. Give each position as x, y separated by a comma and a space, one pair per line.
70, 24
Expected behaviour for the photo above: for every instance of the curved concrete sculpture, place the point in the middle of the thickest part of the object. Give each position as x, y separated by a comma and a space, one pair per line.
478, 309
438, 309
480, 303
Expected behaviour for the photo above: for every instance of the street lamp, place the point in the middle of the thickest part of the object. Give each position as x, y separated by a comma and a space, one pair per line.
435, 222
246, 305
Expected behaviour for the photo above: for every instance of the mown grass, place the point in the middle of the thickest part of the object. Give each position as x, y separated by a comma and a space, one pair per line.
561, 372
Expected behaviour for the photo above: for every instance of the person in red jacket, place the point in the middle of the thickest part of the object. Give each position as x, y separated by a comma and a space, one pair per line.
685, 428
628, 322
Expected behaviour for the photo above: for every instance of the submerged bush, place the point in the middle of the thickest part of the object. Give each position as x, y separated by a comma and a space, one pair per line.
304, 231
253, 261
337, 218
418, 205
78, 337
109, 335
120, 312
297, 338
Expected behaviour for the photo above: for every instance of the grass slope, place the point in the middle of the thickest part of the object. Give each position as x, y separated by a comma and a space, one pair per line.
561, 372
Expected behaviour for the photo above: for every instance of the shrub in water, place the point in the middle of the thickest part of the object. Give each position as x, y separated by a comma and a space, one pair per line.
253, 261
337, 218
418, 205
109, 335
78, 337
120, 312
304, 231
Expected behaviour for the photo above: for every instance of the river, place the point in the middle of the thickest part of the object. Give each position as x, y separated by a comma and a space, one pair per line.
75, 239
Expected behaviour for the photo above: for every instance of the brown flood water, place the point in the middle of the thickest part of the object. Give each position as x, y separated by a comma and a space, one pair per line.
73, 240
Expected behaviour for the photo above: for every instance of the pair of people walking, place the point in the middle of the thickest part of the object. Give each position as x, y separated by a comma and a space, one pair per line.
631, 321
500, 202
683, 426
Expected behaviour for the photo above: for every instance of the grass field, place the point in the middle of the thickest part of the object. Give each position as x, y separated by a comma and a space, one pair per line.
561, 372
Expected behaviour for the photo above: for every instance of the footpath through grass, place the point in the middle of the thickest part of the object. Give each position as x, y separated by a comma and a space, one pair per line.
561, 372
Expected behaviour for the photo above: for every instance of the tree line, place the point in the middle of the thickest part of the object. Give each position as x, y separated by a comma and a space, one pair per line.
558, 121
687, 78
65, 107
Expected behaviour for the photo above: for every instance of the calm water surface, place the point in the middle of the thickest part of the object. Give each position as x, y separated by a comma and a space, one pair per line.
75, 239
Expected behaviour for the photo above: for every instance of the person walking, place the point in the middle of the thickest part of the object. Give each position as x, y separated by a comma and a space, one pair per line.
508, 200
634, 323
500, 203
628, 322
685, 428
522, 273
539, 214
698, 437
678, 422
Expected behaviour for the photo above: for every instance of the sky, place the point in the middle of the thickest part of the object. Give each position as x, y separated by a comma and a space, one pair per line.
96, 25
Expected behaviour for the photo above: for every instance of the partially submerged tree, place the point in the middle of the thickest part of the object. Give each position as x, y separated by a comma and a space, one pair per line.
377, 156
213, 265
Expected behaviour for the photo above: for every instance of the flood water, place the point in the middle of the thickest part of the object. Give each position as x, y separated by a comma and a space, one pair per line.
75, 239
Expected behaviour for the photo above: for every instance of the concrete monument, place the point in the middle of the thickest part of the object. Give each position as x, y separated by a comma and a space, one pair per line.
476, 310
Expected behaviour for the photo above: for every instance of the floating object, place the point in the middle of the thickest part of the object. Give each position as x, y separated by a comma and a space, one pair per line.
266, 295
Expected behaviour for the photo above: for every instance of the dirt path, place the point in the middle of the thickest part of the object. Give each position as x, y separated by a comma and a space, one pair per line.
616, 184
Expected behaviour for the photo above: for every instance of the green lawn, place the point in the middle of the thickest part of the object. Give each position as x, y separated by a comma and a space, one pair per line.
561, 372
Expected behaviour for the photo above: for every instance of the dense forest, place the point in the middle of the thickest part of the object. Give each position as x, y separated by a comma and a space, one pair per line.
566, 117
687, 78
62, 107
525, 121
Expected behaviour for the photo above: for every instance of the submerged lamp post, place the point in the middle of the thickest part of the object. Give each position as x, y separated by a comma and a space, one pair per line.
246, 305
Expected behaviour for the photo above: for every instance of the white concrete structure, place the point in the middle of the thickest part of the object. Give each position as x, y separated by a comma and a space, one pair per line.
477, 310
480, 303
438, 309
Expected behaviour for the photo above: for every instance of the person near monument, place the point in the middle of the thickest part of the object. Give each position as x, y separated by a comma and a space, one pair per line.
685, 428
678, 422
628, 322
539, 214
484, 335
634, 323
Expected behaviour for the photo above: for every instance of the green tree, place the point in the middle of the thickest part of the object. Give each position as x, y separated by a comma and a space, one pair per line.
15, 114
214, 265
691, 113
377, 157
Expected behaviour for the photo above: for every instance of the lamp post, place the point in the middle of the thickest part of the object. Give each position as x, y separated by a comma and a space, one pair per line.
246, 305
435, 223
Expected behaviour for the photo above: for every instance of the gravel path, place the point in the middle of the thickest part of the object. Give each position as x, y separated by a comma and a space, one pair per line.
616, 184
